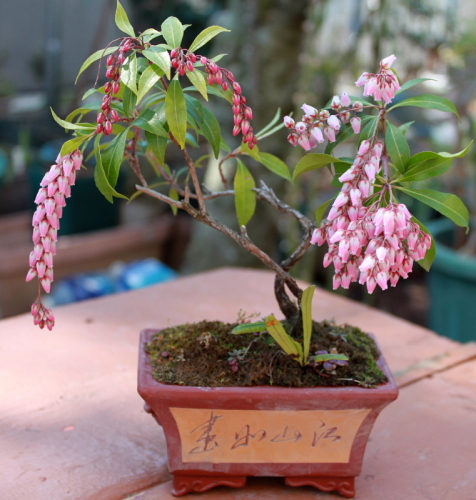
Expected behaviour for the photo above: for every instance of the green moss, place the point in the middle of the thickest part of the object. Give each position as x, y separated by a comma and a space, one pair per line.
200, 354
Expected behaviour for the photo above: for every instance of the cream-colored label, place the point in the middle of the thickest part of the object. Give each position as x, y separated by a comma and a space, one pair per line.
267, 436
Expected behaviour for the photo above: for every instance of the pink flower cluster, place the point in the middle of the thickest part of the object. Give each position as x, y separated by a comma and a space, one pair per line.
383, 85
107, 116
183, 60
51, 198
371, 245
314, 125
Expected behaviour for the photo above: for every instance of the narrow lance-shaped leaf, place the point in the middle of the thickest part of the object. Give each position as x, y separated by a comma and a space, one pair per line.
129, 101
369, 129
313, 161
428, 164
211, 130
447, 204
72, 126
321, 210
397, 146
122, 21
198, 80
175, 196
258, 326
274, 164
129, 73
158, 145
412, 83
151, 121
100, 177
160, 57
271, 124
319, 358
245, 197
147, 80
306, 309
205, 36
428, 101
176, 112
112, 157
405, 127
285, 341
94, 57
73, 144
172, 30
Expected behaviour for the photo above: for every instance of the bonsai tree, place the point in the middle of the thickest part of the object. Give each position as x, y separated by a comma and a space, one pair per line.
155, 98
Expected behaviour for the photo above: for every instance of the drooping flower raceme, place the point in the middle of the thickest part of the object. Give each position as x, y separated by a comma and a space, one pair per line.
51, 198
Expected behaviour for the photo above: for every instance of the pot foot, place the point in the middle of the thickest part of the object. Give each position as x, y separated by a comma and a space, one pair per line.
188, 484
343, 485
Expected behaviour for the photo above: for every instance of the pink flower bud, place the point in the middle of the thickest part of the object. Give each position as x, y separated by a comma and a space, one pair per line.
115, 115
330, 134
334, 122
107, 127
324, 114
116, 86
382, 278
41, 196
236, 129
110, 60
43, 227
214, 68
48, 258
38, 251
237, 87
107, 87
46, 284
345, 100
50, 206
355, 122
32, 259
368, 264
318, 236
363, 79
364, 147
309, 110
245, 126
387, 62
31, 274
335, 102
46, 244
316, 133
303, 141
289, 122
40, 268
336, 281
371, 284
53, 220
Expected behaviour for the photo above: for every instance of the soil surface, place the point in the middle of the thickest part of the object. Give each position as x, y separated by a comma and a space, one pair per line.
206, 354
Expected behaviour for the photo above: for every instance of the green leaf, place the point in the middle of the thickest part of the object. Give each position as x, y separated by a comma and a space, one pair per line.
447, 204
160, 57
198, 80
355, 98
112, 157
129, 101
306, 309
176, 111
245, 197
428, 164
321, 210
195, 108
404, 128
319, 358
286, 342
150, 34
313, 161
275, 164
270, 124
175, 196
428, 101
100, 177
172, 31
430, 255
157, 144
369, 129
72, 126
205, 36
258, 326
211, 130
412, 83
151, 121
218, 91
94, 57
148, 79
122, 21
73, 144
129, 73
397, 147
245, 150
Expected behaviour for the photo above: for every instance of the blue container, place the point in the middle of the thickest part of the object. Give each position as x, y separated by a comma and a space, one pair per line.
452, 287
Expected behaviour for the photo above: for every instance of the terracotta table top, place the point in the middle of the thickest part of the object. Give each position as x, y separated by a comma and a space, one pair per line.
73, 427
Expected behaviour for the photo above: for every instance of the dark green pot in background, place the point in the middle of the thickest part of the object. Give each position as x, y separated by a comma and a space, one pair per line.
452, 287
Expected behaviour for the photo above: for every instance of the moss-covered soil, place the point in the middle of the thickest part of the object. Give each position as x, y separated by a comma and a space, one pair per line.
206, 354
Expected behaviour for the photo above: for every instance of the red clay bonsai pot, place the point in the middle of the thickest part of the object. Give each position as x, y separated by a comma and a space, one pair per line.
221, 435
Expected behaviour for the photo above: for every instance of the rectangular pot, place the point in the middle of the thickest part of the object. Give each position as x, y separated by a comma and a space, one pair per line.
222, 435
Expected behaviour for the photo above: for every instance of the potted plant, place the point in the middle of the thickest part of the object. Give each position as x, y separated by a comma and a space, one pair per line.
291, 398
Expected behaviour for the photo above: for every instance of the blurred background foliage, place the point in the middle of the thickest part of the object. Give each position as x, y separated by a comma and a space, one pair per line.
284, 53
